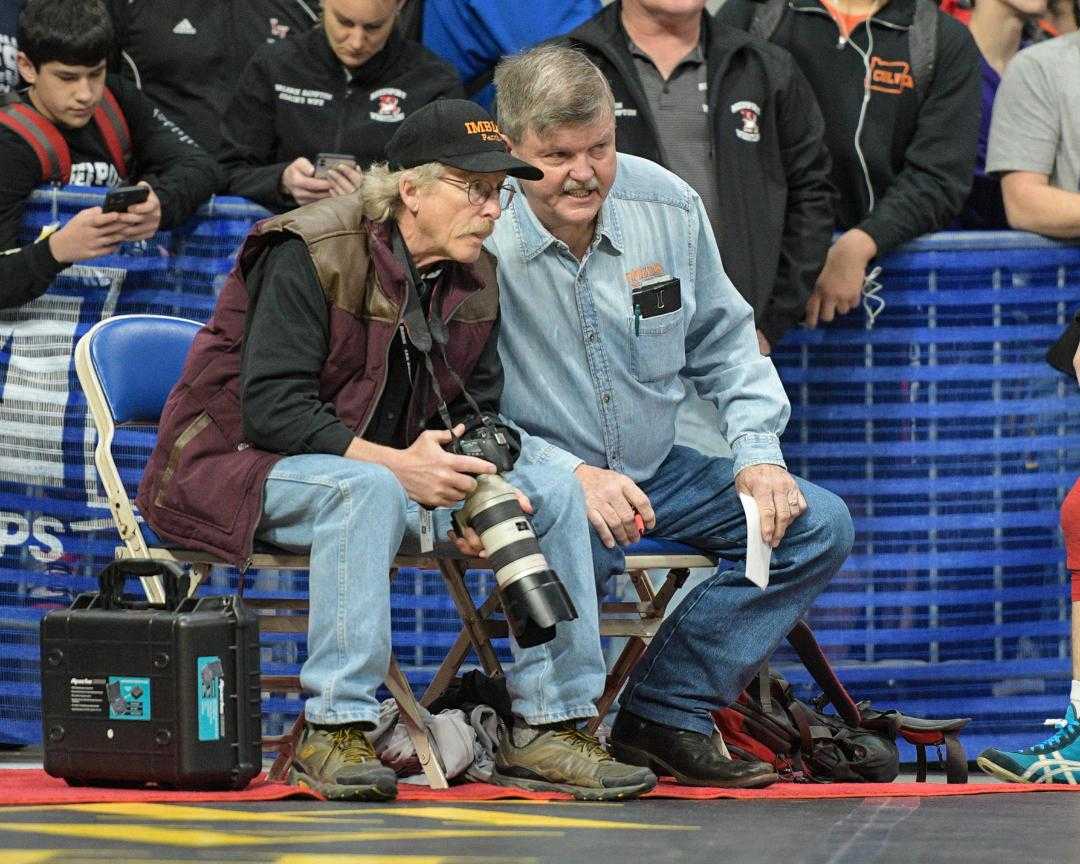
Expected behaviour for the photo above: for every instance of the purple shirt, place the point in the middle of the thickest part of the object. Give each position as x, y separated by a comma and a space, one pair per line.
984, 210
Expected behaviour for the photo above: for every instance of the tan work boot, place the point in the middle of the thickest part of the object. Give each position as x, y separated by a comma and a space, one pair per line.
561, 758
340, 763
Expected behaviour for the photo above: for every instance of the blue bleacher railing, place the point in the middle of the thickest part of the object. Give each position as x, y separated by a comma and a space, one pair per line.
949, 437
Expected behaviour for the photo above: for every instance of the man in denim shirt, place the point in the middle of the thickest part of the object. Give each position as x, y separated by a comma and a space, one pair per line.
596, 341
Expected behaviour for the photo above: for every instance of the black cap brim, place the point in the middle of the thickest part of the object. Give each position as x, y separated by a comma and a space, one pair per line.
493, 161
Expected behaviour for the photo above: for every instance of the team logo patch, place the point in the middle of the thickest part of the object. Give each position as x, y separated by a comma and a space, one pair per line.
890, 76
748, 114
388, 105
278, 30
486, 129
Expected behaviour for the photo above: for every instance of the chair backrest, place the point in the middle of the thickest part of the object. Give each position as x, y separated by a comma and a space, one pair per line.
136, 360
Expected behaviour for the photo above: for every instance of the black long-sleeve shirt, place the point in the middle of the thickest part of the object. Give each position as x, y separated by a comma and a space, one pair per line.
181, 174
187, 55
286, 343
296, 99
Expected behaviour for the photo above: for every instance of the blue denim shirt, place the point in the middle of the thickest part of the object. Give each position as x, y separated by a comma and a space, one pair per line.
594, 383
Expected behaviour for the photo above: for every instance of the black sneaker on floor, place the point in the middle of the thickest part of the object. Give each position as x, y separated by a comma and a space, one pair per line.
340, 763
689, 757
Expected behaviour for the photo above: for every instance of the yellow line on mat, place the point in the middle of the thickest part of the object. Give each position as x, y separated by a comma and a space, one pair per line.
519, 820
207, 839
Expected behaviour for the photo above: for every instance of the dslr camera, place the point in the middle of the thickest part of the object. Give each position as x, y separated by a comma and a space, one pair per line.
533, 597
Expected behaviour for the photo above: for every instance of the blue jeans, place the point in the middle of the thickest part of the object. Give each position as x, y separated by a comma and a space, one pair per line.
354, 517
711, 646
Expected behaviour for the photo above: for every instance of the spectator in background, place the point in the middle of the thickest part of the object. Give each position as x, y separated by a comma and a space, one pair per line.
736, 119
63, 45
998, 29
187, 55
903, 125
1035, 138
341, 88
9, 21
475, 34
1035, 146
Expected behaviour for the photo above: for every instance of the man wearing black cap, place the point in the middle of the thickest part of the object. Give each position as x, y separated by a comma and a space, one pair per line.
309, 417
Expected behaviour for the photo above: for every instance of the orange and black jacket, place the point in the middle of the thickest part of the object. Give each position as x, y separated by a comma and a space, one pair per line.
908, 170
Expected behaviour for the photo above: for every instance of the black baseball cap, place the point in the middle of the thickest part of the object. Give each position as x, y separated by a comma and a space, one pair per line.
458, 133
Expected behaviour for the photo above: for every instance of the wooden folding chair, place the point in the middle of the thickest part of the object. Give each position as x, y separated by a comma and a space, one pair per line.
639, 621
127, 365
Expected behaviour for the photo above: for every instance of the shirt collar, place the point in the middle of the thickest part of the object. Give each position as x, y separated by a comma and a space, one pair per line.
535, 238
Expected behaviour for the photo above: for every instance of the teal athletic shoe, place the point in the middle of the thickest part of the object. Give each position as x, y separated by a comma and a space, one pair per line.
1055, 760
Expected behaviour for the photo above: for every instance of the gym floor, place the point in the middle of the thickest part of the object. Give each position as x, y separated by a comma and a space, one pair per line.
1028, 828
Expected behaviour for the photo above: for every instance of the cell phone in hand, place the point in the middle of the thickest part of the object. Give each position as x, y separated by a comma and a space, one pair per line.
325, 161
118, 200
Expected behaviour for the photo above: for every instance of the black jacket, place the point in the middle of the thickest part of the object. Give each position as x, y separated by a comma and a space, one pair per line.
919, 151
296, 99
775, 220
181, 174
187, 55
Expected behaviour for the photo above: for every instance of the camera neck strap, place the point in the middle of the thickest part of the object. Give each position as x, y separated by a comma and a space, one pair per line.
424, 332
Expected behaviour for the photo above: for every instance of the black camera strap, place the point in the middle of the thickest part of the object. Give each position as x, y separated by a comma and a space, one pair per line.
424, 332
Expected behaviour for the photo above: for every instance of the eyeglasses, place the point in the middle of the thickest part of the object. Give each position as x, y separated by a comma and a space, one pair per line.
480, 191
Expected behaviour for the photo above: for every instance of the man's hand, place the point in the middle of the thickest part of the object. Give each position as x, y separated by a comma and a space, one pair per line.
299, 180
1076, 364
88, 234
344, 179
779, 499
469, 544
763, 344
141, 221
611, 500
839, 287
433, 476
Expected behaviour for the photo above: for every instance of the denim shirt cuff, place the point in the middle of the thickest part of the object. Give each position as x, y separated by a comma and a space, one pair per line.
756, 448
556, 457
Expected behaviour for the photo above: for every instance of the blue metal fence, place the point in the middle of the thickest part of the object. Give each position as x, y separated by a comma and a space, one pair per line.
951, 440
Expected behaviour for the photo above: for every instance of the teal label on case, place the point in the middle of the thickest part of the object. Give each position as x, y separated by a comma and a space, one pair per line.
210, 682
129, 698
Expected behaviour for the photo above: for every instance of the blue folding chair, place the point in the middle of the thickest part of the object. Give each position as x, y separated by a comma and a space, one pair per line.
127, 366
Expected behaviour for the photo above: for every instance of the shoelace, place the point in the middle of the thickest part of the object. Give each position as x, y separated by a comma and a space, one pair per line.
1065, 733
353, 744
587, 744
872, 302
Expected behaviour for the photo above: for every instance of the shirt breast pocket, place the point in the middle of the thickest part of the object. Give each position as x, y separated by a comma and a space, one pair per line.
657, 346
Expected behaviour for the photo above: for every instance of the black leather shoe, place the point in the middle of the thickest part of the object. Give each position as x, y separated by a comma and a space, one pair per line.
689, 757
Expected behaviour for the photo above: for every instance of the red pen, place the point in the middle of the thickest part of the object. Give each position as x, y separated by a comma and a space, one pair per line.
640, 523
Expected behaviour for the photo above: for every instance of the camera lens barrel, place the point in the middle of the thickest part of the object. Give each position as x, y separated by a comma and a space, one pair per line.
534, 599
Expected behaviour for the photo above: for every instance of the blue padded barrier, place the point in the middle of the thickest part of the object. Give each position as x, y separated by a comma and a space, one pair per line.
950, 439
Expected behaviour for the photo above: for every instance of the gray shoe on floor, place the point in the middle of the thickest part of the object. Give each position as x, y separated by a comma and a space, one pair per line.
561, 758
340, 763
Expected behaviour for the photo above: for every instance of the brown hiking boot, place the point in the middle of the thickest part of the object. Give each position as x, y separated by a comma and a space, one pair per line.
340, 763
561, 758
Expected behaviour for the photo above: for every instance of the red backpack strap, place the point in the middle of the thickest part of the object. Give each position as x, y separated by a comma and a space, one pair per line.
112, 124
801, 638
43, 137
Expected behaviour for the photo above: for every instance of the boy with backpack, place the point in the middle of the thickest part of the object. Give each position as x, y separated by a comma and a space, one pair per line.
76, 124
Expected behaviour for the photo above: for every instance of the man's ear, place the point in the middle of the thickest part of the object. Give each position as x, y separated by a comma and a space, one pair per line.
410, 195
26, 68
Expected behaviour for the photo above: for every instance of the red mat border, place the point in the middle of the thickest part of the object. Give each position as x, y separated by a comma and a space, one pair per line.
33, 787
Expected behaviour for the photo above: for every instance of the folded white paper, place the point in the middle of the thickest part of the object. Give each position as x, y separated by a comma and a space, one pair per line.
758, 552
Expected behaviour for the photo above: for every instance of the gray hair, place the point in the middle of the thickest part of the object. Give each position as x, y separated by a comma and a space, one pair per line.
380, 193
549, 86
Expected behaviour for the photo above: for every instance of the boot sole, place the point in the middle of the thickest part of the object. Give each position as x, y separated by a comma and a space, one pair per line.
580, 793
337, 792
634, 756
